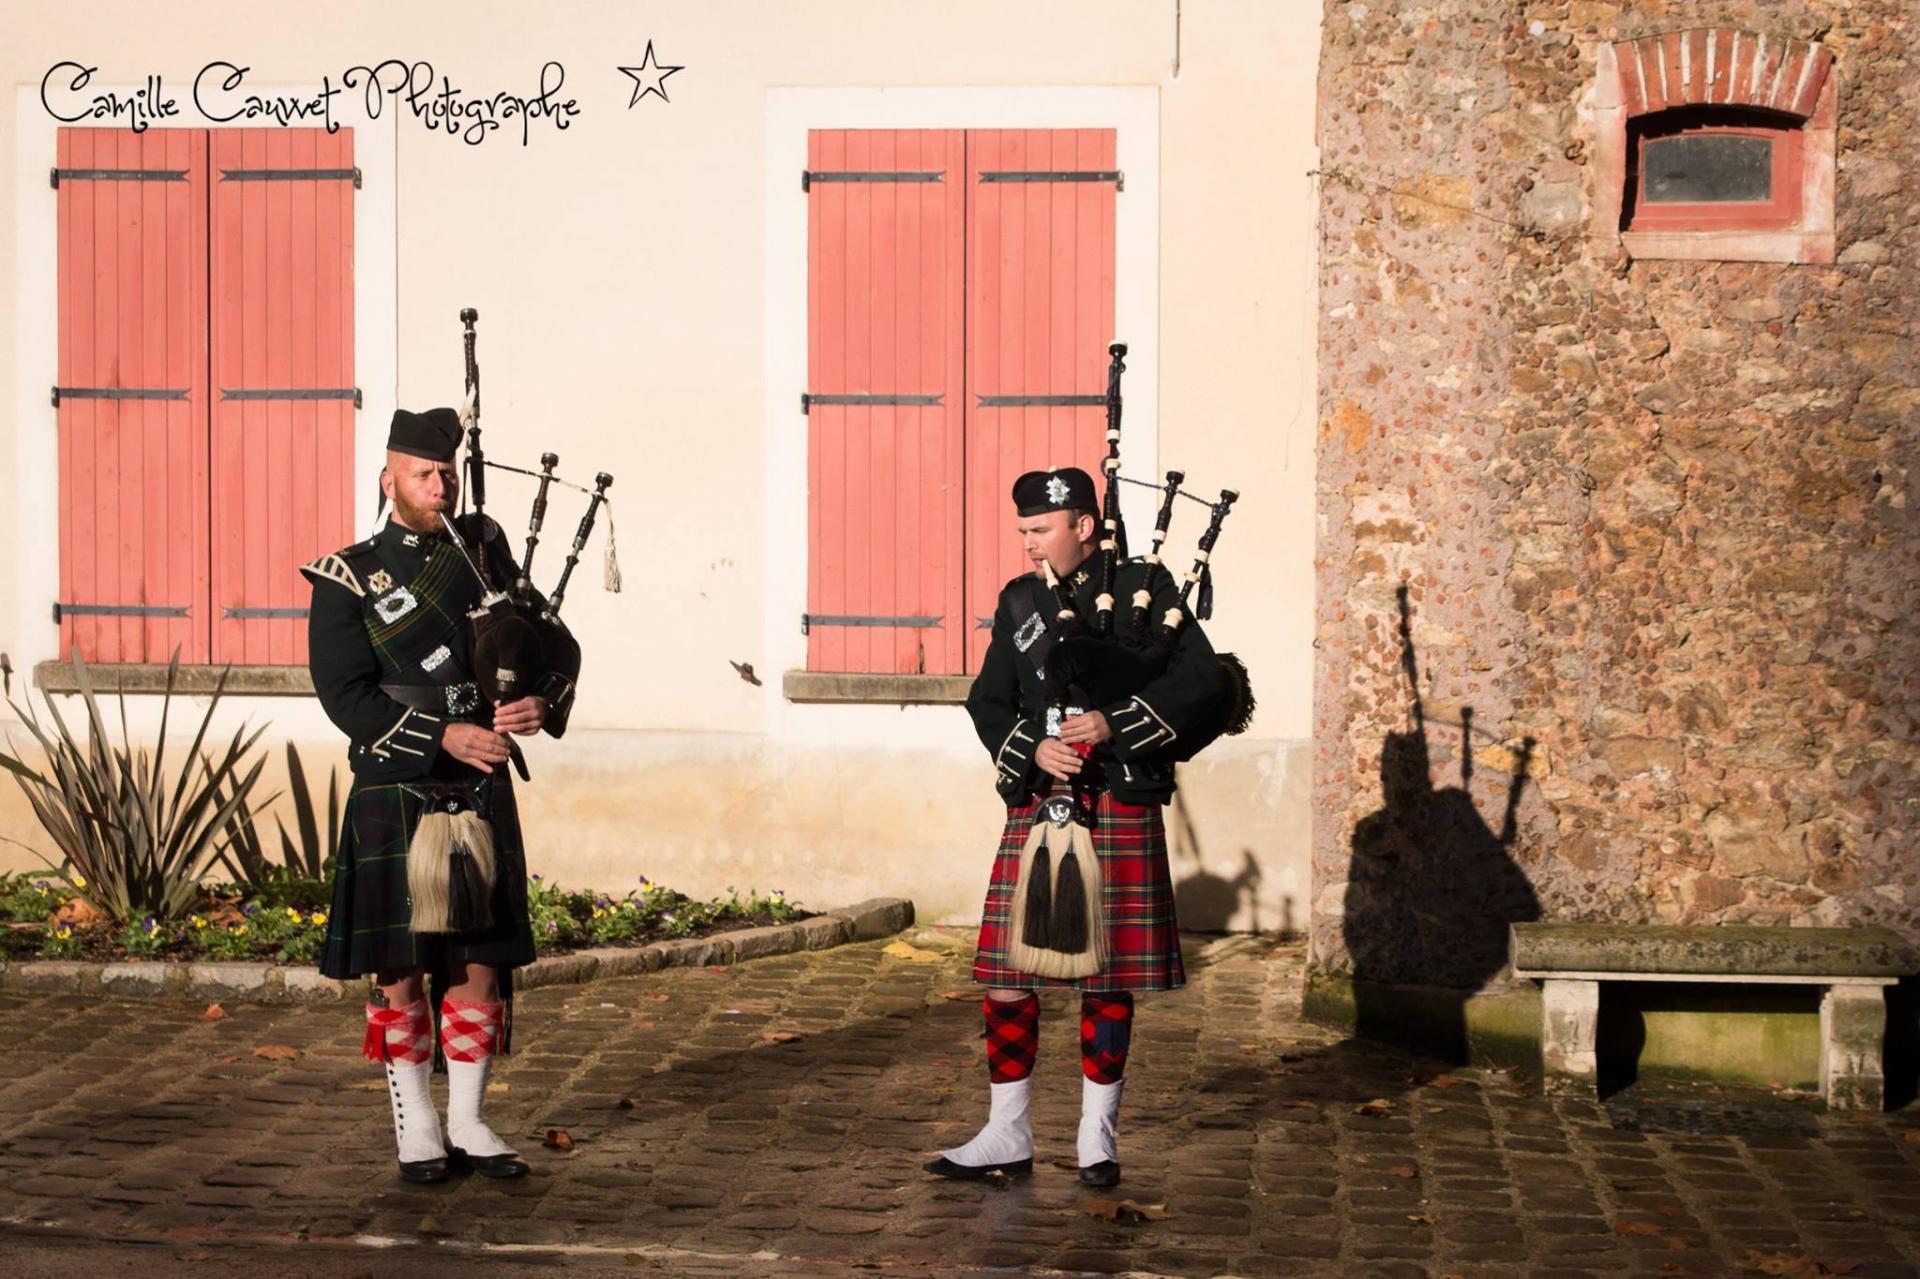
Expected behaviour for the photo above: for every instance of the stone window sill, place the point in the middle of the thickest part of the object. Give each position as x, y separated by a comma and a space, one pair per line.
151, 677
900, 690
1730, 246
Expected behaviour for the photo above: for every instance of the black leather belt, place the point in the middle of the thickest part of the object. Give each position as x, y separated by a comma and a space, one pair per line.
451, 699
439, 699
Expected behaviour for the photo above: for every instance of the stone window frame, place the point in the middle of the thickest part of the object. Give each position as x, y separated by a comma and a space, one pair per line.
1718, 67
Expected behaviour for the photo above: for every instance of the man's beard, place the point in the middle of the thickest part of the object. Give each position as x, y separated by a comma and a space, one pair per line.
424, 518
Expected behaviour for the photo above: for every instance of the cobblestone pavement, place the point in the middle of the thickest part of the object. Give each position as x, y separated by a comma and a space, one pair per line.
771, 1118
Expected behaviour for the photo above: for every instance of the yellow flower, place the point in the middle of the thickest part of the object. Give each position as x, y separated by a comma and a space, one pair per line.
318, 917
239, 930
597, 912
631, 904
79, 881
198, 922
63, 932
293, 914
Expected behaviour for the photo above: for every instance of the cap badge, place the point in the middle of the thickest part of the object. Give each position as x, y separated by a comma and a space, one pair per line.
1056, 490
380, 580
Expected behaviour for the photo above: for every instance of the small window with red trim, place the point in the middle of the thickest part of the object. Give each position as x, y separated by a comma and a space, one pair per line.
1712, 169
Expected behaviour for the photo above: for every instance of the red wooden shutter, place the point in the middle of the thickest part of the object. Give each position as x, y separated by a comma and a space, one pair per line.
283, 411
132, 394
1040, 261
884, 367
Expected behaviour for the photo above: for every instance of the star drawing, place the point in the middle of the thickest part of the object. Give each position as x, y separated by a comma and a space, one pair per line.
648, 77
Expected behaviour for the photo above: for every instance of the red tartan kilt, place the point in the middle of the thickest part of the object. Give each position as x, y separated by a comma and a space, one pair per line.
1143, 935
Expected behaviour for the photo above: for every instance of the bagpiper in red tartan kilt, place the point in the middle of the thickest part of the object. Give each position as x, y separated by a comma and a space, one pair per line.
1107, 929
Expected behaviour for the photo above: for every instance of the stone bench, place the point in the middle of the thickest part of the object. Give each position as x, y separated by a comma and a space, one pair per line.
1854, 965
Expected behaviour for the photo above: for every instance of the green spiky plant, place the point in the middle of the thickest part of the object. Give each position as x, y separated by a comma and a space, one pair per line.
242, 852
132, 842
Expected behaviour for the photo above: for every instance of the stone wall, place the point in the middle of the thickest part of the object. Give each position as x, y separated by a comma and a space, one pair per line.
1653, 515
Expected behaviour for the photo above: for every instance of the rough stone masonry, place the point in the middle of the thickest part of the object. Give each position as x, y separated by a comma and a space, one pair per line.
1656, 515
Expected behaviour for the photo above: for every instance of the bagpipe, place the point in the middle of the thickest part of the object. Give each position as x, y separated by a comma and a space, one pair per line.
1109, 659
519, 639
1058, 922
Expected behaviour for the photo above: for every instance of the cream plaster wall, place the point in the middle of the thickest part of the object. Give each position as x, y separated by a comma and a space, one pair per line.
629, 314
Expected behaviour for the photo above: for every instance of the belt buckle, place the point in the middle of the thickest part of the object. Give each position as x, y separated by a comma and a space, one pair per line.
1058, 810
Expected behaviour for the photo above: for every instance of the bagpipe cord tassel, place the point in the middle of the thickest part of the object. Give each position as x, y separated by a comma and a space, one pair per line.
612, 568
1203, 608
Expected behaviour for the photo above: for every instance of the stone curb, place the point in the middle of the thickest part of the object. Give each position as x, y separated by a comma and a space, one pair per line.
267, 983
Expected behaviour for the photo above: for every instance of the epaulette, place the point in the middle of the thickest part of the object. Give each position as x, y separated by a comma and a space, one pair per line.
333, 568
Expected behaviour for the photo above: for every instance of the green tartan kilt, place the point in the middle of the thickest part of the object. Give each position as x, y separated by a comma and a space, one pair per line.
368, 927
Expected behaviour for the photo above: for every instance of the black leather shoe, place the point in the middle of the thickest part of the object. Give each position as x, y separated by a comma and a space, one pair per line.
499, 1167
945, 1167
423, 1172
1105, 1173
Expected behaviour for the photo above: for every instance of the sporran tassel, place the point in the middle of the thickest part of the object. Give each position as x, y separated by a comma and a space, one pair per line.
612, 567
1038, 930
469, 909
1070, 910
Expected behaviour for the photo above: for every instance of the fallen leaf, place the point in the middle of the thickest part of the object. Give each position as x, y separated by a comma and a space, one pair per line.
1249, 1048
230, 1059
429, 1226
1071, 1164
278, 1052
901, 950
656, 996
959, 994
1420, 1217
558, 1139
1635, 1228
214, 1012
496, 1086
369, 1085
716, 968
1444, 1081
1378, 1108
1123, 1211
778, 1037
1406, 1171
1303, 1105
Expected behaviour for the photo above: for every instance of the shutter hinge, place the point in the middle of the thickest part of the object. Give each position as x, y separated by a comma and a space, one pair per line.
295, 393
292, 175
117, 393
810, 176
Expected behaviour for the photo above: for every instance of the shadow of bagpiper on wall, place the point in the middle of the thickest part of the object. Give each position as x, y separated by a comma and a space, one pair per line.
1432, 887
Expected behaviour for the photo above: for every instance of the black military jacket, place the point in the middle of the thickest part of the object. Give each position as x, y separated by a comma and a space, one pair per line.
1154, 727
389, 619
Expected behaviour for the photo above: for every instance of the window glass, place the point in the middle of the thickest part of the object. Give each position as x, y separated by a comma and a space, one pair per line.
1708, 168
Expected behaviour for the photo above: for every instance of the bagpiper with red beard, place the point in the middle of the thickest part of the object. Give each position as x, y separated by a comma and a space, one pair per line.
431, 878
1080, 895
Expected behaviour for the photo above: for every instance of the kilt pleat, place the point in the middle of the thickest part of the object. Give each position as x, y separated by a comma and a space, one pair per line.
368, 926
1136, 891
